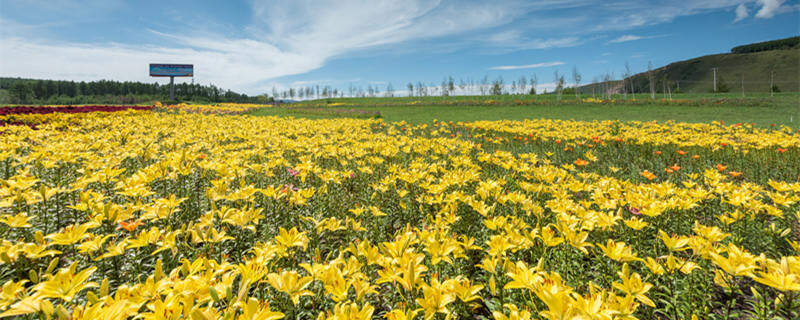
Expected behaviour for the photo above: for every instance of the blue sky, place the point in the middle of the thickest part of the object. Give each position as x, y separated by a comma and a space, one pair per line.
253, 46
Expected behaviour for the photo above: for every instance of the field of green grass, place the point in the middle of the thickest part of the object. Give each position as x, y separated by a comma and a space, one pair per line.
782, 109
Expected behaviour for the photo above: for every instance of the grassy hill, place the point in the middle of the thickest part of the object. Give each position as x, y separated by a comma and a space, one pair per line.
696, 75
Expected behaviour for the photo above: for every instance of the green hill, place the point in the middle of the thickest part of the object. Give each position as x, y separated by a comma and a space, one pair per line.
779, 59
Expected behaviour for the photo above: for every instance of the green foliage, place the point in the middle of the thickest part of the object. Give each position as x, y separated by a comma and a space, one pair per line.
781, 44
29, 91
722, 86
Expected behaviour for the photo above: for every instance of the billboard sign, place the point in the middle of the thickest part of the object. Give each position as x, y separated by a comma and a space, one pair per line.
171, 70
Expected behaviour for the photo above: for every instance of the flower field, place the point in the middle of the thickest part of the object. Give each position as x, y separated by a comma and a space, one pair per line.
198, 215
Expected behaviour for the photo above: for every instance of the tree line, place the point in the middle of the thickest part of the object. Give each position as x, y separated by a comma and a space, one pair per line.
31, 91
780, 44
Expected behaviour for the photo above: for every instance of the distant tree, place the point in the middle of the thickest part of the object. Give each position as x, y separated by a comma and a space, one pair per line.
497, 86
451, 85
722, 86
607, 85
559, 81
484, 85
410, 87
625, 75
533, 81
20, 92
389, 90
522, 84
576, 78
651, 77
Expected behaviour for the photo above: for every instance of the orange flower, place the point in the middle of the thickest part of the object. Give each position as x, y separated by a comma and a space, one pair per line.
618, 139
581, 162
681, 152
558, 140
724, 144
658, 152
697, 156
781, 150
649, 175
720, 167
130, 226
675, 167
668, 170
735, 174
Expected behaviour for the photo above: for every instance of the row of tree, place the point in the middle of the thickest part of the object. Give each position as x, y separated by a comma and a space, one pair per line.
29, 91
781, 44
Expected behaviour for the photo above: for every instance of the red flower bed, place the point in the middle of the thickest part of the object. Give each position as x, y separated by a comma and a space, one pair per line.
67, 109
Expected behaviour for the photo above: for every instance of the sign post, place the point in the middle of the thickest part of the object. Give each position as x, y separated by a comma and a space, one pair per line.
171, 71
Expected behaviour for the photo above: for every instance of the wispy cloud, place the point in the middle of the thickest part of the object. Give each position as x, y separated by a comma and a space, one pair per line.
528, 66
741, 13
292, 37
631, 37
769, 8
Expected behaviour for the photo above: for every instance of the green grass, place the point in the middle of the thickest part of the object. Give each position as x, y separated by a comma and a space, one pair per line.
783, 109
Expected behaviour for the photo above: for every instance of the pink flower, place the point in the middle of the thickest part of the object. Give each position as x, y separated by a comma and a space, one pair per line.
293, 172
635, 211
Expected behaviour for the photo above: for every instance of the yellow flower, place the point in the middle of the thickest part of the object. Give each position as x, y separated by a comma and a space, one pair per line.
618, 251
514, 313
351, 311
20, 220
66, 283
465, 291
783, 275
738, 262
436, 298
291, 238
291, 283
673, 243
10, 292
71, 234
523, 277
633, 285
254, 310
401, 314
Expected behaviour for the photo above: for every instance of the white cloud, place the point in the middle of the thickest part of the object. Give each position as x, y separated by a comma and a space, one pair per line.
626, 38
631, 37
528, 66
225, 63
290, 37
517, 40
769, 8
741, 13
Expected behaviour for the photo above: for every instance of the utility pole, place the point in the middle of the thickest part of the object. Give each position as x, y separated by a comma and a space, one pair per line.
771, 86
742, 85
171, 88
715, 78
